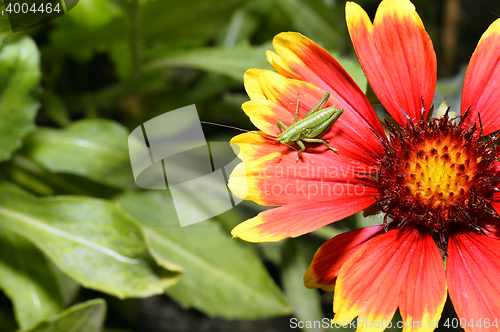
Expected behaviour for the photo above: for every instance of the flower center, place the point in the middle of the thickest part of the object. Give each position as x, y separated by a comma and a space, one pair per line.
435, 174
438, 173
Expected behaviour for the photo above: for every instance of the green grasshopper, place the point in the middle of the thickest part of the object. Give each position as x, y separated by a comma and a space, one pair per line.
311, 128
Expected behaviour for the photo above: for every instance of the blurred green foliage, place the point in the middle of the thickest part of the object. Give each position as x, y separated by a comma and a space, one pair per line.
71, 215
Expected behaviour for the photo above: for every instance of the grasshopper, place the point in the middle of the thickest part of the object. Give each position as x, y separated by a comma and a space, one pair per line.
311, 128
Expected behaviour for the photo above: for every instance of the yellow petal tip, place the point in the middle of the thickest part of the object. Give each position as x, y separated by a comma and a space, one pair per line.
493, 29
248, 231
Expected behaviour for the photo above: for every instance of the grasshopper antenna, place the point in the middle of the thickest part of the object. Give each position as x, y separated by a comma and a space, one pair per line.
246, 131
225, 126
236, 128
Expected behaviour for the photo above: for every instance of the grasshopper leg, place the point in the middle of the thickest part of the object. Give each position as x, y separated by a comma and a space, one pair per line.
302, 148
297, 109
317, 140
281, 126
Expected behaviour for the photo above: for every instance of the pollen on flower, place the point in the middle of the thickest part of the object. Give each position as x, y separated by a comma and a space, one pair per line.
438, 172
435, 174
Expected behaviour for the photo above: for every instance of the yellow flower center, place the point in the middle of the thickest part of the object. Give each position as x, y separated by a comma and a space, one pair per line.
439, 172
436, 174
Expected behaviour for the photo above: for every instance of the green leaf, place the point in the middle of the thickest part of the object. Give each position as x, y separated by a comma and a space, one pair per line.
93, 148
4, 21
85, 317
36, 179
306, 302
310, 23
240, 28
26, 278
90, 240
121, 56
55, 109
93, 13
327, 232
69, 287
222, 277
19, 77
168, 21
232, 62
5, 24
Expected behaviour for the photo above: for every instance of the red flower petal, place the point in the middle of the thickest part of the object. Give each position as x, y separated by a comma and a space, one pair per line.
277, 179
252, 146
482, 81
325, 267
397, 56
280, 101
473, 273
491, 226
424, 294
315, 65
298, 219
399, 268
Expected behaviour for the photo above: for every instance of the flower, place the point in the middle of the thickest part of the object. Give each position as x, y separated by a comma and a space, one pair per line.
437, 179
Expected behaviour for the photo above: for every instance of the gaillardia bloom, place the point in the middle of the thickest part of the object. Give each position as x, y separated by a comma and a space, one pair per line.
437, 179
